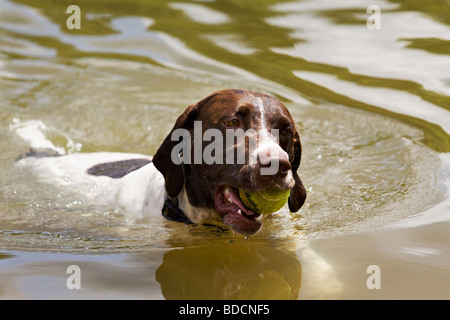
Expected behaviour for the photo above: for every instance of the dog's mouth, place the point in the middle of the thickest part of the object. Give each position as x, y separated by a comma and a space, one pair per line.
234, 214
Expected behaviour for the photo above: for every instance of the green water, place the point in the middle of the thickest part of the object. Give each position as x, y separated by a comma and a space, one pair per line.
372, 107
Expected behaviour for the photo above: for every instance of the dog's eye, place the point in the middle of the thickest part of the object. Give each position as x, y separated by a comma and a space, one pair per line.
286, 131
233, 123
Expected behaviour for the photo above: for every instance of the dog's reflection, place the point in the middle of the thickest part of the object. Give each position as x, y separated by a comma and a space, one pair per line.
235, 271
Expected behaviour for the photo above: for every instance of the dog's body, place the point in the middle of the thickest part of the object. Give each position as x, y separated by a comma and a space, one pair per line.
146, 186
140, 192
142, 185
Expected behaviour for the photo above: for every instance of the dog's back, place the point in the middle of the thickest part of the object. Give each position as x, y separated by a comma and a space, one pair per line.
128, 179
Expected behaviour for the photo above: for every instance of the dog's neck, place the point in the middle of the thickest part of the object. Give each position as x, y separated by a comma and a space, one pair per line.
193, 213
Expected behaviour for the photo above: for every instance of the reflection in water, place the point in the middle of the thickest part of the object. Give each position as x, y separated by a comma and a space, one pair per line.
6, 255
119, 83
234, 271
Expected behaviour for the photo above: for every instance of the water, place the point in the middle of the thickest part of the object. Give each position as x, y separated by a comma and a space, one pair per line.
372, 107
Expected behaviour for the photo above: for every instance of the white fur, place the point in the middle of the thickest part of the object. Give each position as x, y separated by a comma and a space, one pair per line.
141, 192
196, 215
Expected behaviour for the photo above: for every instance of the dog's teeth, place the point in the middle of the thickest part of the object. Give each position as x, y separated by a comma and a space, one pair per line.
226, 192
239, 211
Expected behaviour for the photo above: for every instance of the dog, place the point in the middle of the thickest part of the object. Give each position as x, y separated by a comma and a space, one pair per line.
189, 181
191, 178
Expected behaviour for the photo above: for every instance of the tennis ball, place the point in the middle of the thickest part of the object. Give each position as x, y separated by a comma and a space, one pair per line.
265, 201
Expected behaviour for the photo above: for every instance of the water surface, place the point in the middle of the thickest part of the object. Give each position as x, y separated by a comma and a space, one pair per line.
372, 108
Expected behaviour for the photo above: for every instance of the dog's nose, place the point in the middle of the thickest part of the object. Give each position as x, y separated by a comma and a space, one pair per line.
273, 163
284, 168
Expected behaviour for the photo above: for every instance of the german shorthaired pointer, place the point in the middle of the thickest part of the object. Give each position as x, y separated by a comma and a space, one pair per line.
195, 175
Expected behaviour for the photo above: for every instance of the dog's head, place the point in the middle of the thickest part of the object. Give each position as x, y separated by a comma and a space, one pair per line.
231, 140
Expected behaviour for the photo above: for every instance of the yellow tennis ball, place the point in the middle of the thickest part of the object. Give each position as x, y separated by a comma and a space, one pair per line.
265, 201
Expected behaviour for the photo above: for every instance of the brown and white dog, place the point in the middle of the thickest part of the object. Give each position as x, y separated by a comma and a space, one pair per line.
193, 190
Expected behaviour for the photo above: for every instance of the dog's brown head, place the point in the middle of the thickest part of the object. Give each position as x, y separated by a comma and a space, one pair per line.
235, 139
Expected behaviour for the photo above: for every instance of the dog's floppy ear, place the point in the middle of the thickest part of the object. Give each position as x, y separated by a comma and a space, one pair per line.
173, 173
298, 192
